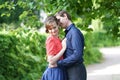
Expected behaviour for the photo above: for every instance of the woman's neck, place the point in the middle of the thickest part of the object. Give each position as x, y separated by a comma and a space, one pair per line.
54, 35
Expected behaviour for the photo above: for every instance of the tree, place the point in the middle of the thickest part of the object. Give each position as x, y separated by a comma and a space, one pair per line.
110, 16
82, 11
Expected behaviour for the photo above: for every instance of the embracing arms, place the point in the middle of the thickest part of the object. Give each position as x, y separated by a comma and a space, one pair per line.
52, 59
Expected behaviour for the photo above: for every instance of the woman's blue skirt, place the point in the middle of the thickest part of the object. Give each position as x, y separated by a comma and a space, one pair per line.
55, 73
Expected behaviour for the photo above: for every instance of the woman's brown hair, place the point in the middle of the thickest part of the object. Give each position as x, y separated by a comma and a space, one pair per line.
49, 22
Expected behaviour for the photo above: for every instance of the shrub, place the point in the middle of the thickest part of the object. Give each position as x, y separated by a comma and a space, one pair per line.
22, 55
91, 53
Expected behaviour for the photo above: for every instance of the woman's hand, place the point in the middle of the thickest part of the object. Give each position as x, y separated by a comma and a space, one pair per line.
52, 65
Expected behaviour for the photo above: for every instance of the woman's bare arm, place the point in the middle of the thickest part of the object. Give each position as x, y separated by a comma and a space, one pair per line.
54, 59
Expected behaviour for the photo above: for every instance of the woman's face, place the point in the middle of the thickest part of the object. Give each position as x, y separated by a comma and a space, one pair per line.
54, 30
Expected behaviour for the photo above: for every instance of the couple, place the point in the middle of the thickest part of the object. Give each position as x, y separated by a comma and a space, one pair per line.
65, 57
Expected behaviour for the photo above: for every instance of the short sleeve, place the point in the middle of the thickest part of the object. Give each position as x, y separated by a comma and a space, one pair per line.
50, 46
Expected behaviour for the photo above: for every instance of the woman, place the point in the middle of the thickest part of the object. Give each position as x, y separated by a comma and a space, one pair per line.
55, 49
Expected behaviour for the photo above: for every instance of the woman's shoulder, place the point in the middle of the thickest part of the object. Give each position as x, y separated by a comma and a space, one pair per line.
50, 39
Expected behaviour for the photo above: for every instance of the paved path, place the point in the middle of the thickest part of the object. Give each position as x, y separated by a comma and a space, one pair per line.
109, 68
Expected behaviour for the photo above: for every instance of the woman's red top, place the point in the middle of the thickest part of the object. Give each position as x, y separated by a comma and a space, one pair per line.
53, 45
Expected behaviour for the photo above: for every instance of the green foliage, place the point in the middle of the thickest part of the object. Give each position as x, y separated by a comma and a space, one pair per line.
22, 11
77, 9
94, 41
91, 52
22, 55
28, 12
102, 39
110, 13
92, 55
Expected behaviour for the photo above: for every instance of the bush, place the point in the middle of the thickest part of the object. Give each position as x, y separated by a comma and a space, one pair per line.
94, 41
91, 53
102, 39
22, 55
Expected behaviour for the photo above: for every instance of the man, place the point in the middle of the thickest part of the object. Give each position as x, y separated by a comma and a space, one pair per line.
73, 57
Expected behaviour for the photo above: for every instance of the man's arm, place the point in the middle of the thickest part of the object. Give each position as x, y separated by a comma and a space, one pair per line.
77, 42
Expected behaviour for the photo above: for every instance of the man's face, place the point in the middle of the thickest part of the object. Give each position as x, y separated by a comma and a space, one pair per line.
62, 21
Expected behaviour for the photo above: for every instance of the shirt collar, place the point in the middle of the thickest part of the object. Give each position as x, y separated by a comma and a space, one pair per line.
69, 27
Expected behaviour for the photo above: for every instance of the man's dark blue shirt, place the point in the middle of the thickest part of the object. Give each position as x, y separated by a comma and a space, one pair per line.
75, 47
